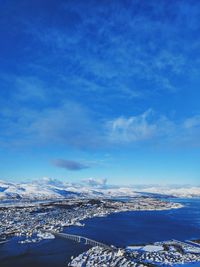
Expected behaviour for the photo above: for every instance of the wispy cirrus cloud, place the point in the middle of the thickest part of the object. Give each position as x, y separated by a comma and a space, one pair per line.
86, 83
121, 54
145, 126
150, 127
73, 125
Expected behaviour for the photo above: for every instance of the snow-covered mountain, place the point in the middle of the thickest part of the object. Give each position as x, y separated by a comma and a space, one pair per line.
48, 188
184, 191
32, 190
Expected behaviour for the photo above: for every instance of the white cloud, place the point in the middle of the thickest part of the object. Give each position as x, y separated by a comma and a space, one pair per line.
71, 124
145, 126
95, 182
153, 128
192, 122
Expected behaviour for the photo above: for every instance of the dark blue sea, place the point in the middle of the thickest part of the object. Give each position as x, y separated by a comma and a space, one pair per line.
119, 229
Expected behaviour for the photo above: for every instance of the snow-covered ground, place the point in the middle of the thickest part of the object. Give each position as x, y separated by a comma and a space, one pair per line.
183, 191
52, 189
48, 188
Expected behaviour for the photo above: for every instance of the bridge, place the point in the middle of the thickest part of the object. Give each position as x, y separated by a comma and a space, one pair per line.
85, 240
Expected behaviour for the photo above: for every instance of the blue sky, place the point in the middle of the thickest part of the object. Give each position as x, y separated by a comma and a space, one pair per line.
102, 89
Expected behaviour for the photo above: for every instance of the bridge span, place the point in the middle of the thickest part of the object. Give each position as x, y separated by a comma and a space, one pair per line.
85, 240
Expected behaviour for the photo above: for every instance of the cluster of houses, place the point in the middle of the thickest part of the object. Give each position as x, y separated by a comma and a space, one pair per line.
167, 253
97, 256
29, 220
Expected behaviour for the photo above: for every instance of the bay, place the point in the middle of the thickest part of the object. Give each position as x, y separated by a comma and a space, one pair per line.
119, 229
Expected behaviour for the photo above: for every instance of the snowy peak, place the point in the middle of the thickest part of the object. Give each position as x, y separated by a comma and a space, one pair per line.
34, 190
48, 188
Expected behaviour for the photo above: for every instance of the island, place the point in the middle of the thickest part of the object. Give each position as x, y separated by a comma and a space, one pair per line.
34, 221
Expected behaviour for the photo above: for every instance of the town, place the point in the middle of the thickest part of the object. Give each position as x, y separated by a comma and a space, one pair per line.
36, 220
33, 221
167, 253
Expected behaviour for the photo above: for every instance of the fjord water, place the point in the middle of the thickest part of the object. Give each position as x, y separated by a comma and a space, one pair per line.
140, 227
119, 229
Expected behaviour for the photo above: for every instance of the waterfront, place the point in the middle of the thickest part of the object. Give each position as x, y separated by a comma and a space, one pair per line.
119, 229
138, 227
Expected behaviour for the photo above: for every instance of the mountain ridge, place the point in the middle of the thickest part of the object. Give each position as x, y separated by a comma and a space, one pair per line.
48, 188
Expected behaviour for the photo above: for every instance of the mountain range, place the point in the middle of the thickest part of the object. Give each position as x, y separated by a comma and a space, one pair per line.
48, 188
